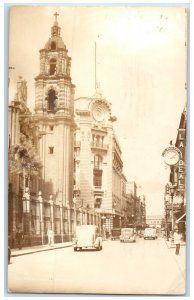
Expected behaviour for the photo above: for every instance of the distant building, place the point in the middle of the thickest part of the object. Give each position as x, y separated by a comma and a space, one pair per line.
154, 221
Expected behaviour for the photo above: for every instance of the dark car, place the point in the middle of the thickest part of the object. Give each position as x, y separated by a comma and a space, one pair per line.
115, 233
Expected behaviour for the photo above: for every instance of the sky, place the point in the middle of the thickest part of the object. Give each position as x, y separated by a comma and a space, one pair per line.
141, 67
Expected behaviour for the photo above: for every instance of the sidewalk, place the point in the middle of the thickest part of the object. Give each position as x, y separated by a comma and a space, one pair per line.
181, 258
39, 248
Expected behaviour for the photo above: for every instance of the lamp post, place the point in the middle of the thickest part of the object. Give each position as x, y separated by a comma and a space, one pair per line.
103, 227
41, 217
74, 202
26, 212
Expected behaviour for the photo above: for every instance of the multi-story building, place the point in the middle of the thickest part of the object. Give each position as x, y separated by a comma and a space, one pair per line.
177, 178
98, 178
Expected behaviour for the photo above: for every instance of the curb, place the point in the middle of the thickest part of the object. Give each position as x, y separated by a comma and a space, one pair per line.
40, 250
170, 245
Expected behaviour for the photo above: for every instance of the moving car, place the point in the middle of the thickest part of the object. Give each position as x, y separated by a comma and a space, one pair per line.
87, 236
150, 233
115, 233
127, 235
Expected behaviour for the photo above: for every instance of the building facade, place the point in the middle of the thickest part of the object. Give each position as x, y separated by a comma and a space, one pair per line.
155, 221
97, 160
175, 203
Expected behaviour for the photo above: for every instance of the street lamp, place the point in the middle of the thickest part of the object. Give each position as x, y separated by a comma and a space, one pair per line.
103, 227
74, 202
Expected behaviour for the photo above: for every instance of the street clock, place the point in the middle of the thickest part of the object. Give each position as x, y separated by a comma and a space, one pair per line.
171, 156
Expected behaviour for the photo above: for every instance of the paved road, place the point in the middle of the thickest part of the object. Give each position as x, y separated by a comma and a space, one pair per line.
144, 267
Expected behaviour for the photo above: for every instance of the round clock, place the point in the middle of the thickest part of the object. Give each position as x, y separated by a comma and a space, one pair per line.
171, 157
98, 113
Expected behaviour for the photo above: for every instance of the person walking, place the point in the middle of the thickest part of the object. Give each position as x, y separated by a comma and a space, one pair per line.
50, 237
19, 238
177, 240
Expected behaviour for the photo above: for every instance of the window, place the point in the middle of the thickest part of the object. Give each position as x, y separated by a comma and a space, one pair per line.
51, 100
98, 203
97, 179
97, 162
97, 172
51, 128
53, 65
53, 46
51, 150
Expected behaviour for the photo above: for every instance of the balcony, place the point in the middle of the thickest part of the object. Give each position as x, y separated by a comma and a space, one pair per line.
99, 146
77, 144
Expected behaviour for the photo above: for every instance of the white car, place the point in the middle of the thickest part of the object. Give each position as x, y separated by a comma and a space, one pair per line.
150, 233
127, 235
87, 237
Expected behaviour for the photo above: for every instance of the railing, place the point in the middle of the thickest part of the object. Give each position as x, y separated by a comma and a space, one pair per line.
99, 145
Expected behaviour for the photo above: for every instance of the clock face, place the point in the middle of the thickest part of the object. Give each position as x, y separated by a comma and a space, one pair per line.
98, 113
171, 157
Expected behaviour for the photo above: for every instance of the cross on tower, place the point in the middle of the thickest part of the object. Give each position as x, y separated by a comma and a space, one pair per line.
56, 15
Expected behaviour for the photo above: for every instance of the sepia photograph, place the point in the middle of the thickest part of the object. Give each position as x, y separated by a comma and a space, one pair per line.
97, 144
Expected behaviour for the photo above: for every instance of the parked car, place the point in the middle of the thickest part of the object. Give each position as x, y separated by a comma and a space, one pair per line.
115, 233
87, 236
128, 235
150, 233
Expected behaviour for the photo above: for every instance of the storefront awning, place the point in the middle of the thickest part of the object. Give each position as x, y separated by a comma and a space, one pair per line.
177, 221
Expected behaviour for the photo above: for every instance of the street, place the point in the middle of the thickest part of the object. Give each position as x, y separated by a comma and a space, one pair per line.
144, 267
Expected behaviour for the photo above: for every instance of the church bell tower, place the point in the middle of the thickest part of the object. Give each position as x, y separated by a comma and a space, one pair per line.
54, 114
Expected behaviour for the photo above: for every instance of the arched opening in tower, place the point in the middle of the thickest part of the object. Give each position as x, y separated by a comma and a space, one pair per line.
51, 101
53, 46
53, 65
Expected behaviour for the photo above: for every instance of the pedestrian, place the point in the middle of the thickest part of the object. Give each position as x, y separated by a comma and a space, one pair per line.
19, 238
50, 237
177, 240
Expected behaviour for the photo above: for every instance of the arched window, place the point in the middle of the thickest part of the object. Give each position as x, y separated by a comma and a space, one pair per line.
53, 46
53, 64
51, 101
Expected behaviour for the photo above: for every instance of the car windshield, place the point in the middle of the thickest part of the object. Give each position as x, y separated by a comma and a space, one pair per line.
127, 230
84, 230
116, 231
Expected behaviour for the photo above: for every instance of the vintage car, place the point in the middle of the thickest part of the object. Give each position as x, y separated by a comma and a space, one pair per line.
115, 233
87, 237
150, 233
128, 235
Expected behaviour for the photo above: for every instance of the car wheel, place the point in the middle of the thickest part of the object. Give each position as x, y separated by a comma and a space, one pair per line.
75, 249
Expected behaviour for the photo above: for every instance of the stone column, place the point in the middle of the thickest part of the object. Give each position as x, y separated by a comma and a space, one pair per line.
41, 217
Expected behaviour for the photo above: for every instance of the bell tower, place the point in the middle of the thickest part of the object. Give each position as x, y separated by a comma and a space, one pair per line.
54, 114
